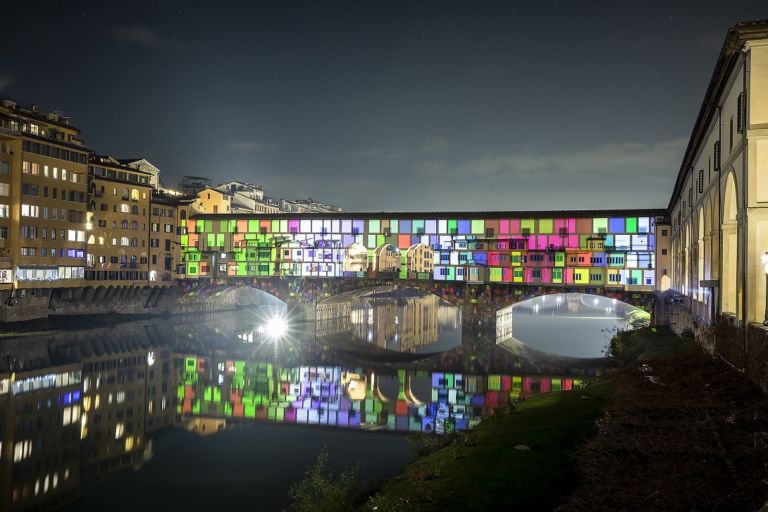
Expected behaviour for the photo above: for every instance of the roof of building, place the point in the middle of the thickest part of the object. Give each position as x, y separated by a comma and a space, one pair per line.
735, 39
109, 161
222, 192
650, 212
30, 111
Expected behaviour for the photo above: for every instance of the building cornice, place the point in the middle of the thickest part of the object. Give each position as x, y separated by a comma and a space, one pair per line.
738, 37
490, 215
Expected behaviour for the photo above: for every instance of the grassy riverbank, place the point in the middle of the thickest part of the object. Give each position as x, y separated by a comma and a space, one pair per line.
670, 428
491, 472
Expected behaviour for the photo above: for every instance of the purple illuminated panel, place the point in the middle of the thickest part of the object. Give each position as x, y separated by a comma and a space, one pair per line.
616, 225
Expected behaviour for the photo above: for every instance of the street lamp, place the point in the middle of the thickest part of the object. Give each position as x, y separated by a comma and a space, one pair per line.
764, 260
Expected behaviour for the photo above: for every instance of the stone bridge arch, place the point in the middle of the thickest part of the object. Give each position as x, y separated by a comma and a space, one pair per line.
303, 294
599, 308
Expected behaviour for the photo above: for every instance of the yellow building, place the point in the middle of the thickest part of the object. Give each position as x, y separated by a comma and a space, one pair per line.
215, 201
420, 258
118, 210
43, 199
167, 222
386, 259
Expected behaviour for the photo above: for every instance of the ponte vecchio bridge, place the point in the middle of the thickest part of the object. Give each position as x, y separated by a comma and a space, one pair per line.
501, 256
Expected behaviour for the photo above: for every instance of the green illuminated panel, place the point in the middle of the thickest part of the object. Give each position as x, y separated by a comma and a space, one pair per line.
600, 225
528, 225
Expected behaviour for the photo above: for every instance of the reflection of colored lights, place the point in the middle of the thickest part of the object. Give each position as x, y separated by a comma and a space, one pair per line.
334, 396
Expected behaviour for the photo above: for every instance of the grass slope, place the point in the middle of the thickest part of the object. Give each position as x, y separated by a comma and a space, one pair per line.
492, 474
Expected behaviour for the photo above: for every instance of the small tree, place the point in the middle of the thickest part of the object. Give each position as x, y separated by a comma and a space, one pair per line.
322, 490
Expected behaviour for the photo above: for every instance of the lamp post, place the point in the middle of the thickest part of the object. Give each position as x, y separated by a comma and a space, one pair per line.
764, 261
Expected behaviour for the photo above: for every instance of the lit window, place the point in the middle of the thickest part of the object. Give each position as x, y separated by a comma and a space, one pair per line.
70, 415
30, 210
119, 430
22, 450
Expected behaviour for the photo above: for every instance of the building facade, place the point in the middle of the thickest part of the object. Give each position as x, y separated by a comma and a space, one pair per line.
307, 205
247, 198
215, 201
144, 165
719, 207
168, 215
118, 211
43, 199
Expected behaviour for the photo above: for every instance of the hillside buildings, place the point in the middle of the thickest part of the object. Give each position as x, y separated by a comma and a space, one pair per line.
70, 217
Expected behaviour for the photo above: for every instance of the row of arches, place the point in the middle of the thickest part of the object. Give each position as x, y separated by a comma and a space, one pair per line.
710, 233
387, 258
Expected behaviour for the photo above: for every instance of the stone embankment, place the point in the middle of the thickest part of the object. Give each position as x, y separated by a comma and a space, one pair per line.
123, 300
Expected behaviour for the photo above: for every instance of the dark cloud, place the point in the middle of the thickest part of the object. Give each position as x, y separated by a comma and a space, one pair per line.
136, 34
250, 146
382, 106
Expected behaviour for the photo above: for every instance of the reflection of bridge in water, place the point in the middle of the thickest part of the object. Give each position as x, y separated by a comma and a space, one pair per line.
194, 373
388, 318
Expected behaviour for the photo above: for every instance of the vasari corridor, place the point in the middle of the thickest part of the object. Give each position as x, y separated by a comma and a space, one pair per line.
384, 256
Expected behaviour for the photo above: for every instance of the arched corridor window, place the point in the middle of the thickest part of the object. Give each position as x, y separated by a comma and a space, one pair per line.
730, 243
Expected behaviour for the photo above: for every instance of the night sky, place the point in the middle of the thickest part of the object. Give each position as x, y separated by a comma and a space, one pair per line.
383, 105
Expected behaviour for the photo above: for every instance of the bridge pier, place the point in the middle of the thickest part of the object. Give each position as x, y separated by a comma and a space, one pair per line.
302, 311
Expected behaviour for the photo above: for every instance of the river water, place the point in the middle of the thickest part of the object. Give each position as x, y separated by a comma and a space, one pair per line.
192, 412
